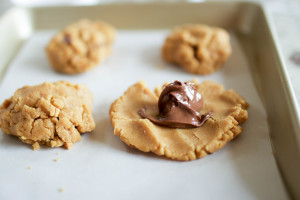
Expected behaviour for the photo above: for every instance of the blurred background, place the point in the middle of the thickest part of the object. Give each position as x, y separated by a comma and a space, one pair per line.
285, 15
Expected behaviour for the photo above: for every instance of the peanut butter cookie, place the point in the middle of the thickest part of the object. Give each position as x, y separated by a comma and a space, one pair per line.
199, 49
80, 46
53, 114
229, 111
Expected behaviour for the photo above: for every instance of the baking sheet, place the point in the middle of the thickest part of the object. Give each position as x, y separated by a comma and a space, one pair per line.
101, 166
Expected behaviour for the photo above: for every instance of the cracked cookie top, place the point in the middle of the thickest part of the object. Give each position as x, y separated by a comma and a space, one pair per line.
53, 114
199, 49
80, 46
180, 144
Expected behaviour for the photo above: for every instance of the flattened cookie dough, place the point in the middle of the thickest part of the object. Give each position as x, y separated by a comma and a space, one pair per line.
199, 49
53, 114
180, 144
80, 46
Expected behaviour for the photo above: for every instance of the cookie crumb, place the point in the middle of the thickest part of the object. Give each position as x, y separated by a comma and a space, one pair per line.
36, 146
159, 66
295, 58
56, 160
29, 167
62, 189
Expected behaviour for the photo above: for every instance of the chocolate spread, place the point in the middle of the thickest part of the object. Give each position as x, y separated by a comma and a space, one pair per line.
179, 106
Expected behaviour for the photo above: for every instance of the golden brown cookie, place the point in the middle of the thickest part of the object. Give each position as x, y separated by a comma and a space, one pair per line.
53, 114
80, 46
180, 144
199, 49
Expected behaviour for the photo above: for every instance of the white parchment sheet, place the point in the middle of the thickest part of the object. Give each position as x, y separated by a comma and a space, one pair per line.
102, 167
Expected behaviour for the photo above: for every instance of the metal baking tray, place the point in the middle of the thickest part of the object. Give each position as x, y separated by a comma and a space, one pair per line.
250, 23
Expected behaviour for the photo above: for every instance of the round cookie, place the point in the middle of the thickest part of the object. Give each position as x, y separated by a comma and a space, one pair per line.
53, 114
199, 49
180, 144
80, 46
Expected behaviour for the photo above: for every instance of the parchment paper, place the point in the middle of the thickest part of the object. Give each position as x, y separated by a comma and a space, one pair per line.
102, 167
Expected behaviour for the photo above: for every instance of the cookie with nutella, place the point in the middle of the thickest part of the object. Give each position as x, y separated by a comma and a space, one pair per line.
80, 46
199, 49
53, 114
141, 118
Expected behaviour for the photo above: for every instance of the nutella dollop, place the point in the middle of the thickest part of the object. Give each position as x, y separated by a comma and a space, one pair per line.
179, 106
